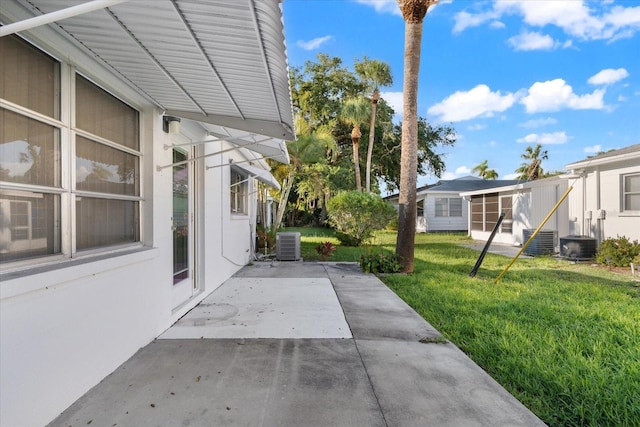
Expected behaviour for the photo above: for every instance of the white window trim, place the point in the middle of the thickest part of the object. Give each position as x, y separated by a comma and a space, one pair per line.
67, 189
243, 184
623, 193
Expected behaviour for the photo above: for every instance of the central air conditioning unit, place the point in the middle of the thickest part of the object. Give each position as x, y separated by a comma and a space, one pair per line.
578, 247
288, 246
542, 244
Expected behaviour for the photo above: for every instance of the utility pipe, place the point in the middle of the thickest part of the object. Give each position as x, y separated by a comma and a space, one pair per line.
544, 221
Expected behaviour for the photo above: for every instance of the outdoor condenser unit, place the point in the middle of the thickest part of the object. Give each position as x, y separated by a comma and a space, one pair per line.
288, 246
542, 244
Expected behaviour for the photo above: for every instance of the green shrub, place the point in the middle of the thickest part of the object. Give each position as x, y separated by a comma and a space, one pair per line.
347, 240
358, 215
380, 263
393, 224
618, 252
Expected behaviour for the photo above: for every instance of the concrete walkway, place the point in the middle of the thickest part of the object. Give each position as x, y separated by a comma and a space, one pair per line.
299, 344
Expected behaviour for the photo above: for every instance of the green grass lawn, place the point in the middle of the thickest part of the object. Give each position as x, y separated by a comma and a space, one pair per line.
563, 338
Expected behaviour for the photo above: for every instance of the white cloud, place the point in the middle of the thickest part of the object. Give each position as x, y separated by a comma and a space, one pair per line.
476, 126
498, 25
577, 18
314, 43
593, 149
460, 171
511, 176
545, 138
532, 41
383, 6
478, 102
555, 95
466, 20
394, 99
536, 123
622, 98
493, 144
608, 76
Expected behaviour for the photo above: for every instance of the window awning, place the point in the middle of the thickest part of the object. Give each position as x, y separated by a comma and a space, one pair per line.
261, 175
219, 62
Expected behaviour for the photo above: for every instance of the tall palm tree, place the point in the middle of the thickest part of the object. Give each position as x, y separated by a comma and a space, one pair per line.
531, 169
354, 112
483, 171
413, 12
374, 74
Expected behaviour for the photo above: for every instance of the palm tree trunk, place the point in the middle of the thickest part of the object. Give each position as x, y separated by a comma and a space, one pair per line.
372, 130
287, 184
356, 162
413, 13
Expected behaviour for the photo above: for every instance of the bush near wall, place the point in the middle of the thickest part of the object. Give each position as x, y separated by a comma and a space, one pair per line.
618, 252
356, 215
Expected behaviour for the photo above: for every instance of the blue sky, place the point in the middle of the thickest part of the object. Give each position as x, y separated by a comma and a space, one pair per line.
505, 74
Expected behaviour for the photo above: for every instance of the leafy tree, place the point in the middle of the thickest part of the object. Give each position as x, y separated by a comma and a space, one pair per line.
413, 12
309, 148
374, 74
358, 214
531, 169
429, 161
483, 171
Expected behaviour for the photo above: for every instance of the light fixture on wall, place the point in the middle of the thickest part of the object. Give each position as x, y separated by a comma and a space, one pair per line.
171, 124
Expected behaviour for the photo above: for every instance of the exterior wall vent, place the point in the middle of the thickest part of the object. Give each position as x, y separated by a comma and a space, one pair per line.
578, 247
288, 246
542, 244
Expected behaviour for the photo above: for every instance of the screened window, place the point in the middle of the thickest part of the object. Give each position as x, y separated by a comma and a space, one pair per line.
477, 213
30, 152
107, 162
631, 192
420, 208
239, 189
102, 197
485, 211
446, 206
507, 209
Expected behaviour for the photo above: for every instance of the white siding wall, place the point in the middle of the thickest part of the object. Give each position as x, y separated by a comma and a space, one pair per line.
444, 223
530, 207
601, 189
65, 328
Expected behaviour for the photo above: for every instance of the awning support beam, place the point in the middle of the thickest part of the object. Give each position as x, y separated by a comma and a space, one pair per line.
58, 15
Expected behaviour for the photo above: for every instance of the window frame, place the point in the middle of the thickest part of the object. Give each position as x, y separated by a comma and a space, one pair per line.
624, 193
238, 191
65, 221
447, 214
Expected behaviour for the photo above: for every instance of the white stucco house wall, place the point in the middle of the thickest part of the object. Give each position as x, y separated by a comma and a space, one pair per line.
525, 205
116, 218
605, 201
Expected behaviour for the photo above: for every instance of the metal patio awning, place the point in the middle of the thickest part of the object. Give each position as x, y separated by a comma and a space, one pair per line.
261, 175
219, 62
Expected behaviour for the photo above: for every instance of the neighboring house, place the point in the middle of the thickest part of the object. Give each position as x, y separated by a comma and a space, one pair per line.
605, 200
116, 218
441, 208
525, 206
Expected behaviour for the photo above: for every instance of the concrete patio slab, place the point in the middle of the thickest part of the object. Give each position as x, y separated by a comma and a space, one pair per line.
375, 312
266, 307
436, 384
382, 376
233, 383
